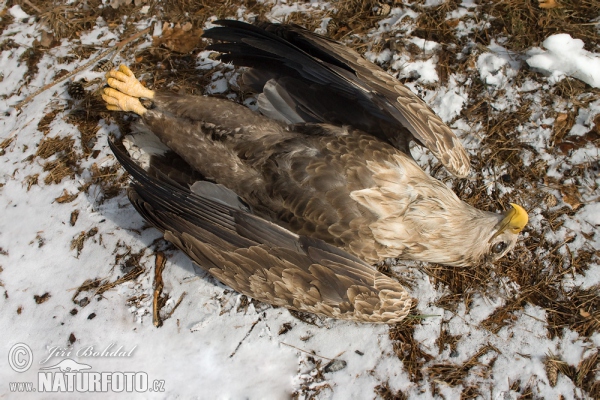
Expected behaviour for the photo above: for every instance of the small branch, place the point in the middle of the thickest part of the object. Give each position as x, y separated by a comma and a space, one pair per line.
117, 47
176, 305
308, 352
244, 338
30, 4
159, 266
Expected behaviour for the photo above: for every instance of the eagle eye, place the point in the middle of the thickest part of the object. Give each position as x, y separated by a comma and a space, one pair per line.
499, 247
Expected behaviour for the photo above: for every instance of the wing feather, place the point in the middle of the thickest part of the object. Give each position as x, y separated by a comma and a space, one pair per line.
263, 260
330, 82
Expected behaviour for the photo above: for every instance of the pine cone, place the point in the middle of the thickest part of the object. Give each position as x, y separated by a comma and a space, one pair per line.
104, 66
76, 90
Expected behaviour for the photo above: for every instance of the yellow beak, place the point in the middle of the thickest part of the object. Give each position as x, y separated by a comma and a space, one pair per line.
514, 220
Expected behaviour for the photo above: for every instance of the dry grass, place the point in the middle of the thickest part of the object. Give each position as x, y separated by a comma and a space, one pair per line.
433, 25
454, 374
31, 57
128, 261
384, 391
67, 21
78, 242
44, 124
31, 180
66, 162
5, 19
197, 12
66, 197
5, 143
407, 348
541, 281
50, 146
583, 375
109, 180
525, 24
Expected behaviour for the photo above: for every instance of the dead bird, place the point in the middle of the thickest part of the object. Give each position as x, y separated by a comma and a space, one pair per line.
292, 213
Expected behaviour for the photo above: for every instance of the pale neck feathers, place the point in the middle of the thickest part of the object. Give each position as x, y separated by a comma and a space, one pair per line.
421, 218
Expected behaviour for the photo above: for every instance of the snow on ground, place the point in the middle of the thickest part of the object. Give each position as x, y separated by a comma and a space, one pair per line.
566, 56
216, 344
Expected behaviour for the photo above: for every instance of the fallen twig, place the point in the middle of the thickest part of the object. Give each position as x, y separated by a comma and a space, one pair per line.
244, 338
30, 4
307, 352
159, 266
176, 305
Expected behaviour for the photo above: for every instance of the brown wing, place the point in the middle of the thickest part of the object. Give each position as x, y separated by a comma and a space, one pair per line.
324, 81
262, 260
300, 177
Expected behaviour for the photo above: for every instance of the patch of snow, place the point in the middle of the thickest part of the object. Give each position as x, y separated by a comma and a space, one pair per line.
459, 13
322, 29
423, 70
492, 69
565, 56
591, 277
218, 86
204, 60
433, 3
447, 102
529, 86
511, 57
396, 17
427, 46
17, 12
590, 213
98, 34
157, 30
379, 58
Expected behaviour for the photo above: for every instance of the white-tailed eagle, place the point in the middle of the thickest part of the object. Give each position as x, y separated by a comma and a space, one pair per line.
294, 205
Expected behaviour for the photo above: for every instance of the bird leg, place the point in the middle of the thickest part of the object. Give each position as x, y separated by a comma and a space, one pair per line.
124, 91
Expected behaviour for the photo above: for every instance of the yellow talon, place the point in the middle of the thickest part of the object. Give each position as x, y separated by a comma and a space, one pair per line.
118, 101
124, 91
125, 81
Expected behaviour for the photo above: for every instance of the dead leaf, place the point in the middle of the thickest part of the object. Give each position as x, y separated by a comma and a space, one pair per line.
584, 313
41, 299
180, 39
452, 23
551, 372
47, 39
74, 216
573, 142
562, 125
547, 4
571, 196
66, 197
597, 123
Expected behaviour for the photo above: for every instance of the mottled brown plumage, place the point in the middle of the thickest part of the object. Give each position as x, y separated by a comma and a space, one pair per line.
293, 214
332, 183
260, 259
